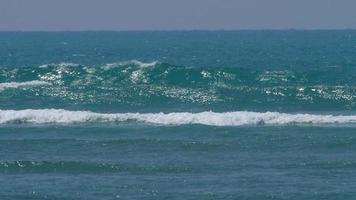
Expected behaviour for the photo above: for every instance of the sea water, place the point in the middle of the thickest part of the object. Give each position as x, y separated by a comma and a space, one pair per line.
178, 115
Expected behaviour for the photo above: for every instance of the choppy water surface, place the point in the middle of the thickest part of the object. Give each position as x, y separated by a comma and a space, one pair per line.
178, 115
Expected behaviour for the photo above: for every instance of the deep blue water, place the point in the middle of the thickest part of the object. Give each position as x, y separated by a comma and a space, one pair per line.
178, 115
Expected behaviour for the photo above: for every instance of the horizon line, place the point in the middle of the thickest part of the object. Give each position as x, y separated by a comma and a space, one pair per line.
188, 30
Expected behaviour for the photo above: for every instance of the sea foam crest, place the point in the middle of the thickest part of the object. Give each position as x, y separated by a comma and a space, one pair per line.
239, 118
131, 62
62, 64
8, 85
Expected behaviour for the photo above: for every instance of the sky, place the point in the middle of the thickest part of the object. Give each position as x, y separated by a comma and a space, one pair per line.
121, 15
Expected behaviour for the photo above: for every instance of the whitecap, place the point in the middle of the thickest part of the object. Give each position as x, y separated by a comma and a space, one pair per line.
238, 118
62, 64
8, 85
130, 62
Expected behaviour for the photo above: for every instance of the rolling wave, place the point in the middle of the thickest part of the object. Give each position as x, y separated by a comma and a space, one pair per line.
130, 63
238, 118
136, 84
8, 85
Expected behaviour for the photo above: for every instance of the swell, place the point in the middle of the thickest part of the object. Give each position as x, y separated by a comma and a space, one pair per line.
136, 84
238, 118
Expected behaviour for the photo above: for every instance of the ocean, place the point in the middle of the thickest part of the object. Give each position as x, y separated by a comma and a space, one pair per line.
178, 115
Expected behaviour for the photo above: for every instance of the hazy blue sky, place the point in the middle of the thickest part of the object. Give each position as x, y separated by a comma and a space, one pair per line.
176, 14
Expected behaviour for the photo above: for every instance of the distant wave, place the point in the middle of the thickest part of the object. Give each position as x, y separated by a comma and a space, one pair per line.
239, 118
131, 62
62, 64
137, 63
22, 84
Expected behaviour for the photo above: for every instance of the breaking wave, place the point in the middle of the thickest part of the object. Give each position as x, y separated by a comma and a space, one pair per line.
136, 85
238, 118
7, 85
131, 63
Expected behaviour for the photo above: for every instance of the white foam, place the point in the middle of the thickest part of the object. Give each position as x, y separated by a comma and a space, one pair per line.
107, 66
62, 64
43, 116
8, 85
142, 64
130, 62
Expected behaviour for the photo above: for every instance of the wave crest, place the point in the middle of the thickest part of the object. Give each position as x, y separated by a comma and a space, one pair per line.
7, 85
130, 63
139, 84
238, 118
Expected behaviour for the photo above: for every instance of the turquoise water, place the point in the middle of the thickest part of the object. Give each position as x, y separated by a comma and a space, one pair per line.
178, 115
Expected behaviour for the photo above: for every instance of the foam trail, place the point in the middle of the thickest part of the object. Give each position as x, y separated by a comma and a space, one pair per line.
7, 85
43, 116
